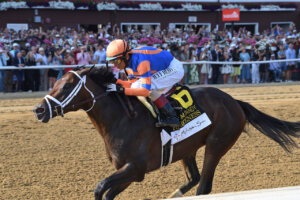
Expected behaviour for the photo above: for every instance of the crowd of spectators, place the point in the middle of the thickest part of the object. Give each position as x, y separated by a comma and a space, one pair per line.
69, 46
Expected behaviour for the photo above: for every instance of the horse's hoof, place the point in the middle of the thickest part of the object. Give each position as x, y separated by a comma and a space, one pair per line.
176, 193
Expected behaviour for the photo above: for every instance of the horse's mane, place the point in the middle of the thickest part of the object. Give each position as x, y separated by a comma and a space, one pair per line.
100, 75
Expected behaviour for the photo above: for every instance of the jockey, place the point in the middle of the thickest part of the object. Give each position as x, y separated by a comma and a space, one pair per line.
149, 70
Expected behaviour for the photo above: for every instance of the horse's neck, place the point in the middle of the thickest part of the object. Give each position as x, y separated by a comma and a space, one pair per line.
106, 115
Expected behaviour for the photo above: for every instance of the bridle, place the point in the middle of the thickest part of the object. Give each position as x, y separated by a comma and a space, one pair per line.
59, 108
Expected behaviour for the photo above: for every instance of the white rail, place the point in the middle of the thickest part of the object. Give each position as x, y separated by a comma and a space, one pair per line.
285, 193
102, 65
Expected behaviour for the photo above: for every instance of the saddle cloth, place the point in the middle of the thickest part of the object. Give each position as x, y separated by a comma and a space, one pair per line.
192, 120
191, 116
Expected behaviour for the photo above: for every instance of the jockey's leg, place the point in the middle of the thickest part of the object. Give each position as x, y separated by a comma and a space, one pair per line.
168, 113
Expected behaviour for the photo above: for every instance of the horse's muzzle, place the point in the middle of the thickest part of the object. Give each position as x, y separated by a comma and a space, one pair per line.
41, 113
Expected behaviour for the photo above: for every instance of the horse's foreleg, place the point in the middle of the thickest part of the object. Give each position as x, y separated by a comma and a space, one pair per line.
115, 190
192, 175
127, 174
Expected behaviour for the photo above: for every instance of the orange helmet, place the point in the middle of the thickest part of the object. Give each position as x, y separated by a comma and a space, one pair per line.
116, 49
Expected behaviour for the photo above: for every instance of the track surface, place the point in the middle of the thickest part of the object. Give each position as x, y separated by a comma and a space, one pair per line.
65, 158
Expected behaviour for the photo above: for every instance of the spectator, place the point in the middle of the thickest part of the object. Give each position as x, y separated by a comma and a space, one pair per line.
8, 77
83, 57
255, 66
262, 66
206, 68
15, 50
245, 71
184, 57
19, 61
236, 68
68, 60
100, 55
3, 62
217, 55
32, 76
54, 58
275, 69
281, 56
290, 54
226, 68
41, 59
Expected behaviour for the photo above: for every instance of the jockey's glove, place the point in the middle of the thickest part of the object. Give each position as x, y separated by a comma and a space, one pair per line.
115, 88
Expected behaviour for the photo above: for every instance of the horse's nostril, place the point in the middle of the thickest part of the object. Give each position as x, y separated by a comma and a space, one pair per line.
39, 110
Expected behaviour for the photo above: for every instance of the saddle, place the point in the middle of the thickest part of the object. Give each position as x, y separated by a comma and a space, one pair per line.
179, 96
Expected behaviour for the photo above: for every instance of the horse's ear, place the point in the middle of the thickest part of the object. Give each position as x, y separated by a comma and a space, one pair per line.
92, 67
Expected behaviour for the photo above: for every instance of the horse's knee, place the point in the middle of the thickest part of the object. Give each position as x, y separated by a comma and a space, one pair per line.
140, 171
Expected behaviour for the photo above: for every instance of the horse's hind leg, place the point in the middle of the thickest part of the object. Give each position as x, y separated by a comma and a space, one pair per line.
214, 150
191, 173
210, 163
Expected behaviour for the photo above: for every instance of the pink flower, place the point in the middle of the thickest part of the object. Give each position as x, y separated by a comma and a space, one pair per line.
203, 41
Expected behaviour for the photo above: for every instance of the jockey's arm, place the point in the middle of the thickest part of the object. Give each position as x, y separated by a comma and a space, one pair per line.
144, 72
127, 84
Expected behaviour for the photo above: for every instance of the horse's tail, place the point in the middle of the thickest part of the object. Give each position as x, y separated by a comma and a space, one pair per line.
278, 130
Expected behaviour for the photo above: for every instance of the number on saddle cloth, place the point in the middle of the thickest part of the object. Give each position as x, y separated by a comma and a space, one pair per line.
184, 104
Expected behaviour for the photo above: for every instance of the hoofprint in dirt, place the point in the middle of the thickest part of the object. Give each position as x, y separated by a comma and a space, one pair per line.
66, 158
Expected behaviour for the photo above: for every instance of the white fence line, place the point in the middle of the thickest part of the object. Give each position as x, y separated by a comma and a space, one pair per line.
285, 193
242, 62
49, 66
102, 65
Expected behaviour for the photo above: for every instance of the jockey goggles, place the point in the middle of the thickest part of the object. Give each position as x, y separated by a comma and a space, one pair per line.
116, 61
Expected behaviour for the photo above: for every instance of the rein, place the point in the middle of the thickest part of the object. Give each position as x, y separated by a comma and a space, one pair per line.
59, 108
88, 100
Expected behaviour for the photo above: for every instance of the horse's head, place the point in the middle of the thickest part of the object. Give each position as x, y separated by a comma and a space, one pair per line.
74, 91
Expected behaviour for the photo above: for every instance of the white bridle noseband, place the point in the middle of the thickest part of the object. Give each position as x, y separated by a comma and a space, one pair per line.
68, 99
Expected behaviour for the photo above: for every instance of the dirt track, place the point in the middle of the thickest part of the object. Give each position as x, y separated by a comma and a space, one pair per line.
65, 158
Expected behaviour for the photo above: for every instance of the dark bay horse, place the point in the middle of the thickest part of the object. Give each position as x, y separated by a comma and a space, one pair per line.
134, 145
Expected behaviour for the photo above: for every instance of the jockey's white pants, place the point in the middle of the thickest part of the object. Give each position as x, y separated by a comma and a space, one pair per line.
165, 79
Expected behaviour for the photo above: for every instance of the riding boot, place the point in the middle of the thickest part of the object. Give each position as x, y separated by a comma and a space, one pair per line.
169, 117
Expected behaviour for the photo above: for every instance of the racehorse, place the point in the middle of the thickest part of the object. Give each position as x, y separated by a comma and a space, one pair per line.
134, 145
